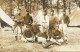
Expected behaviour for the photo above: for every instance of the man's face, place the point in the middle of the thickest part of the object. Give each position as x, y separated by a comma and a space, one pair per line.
52, 14
40, 7
45, 13
27, 13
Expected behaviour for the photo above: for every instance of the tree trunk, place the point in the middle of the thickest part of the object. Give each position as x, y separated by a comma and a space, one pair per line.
44, 4
58, 8
51, 4
25, 4
64, 10
69, 8
30, 5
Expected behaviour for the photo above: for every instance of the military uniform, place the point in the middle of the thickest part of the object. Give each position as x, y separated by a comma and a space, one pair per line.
65, 19
53, 26
28, 20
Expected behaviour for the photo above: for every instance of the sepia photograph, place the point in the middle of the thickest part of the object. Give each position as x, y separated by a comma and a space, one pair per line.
39, 25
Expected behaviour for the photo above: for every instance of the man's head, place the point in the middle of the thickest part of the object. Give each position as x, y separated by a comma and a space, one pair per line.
45, 12
40, 7
52, 13
27, 12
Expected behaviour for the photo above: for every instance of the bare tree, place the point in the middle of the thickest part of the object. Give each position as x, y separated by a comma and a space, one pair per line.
69, 8
58, 8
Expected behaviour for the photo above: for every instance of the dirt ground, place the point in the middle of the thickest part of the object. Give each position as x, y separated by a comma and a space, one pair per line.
8, 43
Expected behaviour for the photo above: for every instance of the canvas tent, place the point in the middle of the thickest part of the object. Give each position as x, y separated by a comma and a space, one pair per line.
6, 18
75, 17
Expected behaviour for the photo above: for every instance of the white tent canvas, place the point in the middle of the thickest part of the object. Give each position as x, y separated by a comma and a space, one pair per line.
75, 17
6, 18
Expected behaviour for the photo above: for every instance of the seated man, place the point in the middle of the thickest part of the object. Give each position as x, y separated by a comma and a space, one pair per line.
32, 30
54, 33
30, 34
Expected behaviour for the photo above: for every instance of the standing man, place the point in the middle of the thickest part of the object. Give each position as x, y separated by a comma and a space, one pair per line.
40, 18
46, 20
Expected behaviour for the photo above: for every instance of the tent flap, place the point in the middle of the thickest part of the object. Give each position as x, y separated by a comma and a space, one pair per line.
6, 18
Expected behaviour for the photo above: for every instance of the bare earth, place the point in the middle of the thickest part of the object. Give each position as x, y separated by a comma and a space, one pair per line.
8, 43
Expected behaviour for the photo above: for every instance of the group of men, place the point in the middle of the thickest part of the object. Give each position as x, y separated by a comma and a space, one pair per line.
41, 29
